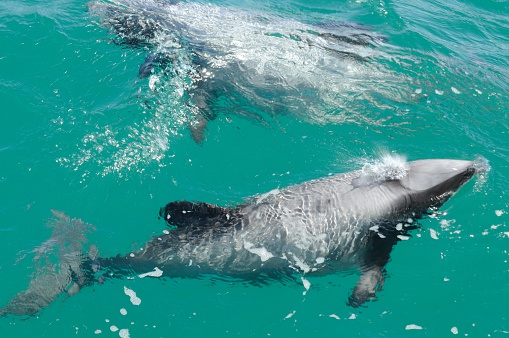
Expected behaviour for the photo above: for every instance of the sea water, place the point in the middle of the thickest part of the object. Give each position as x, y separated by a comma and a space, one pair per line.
82, 135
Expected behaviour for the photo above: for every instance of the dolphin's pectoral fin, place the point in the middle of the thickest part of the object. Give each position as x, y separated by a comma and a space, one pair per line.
371, 281
185, 213
201, 98
372, 278
197, 128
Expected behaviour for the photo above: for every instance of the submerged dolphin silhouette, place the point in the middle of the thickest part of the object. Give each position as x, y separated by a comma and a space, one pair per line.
339, 222
225, 60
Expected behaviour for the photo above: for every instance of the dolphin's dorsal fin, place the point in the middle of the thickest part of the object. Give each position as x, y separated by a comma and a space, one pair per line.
185, 213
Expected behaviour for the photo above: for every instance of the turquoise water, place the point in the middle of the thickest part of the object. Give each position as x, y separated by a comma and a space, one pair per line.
82, 134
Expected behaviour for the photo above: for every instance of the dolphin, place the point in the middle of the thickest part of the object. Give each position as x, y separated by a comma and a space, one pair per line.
225, 59
345, 221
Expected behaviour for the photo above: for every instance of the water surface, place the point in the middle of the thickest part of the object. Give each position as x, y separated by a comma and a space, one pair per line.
79, 137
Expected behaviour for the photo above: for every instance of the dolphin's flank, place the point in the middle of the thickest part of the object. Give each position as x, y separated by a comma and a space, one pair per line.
349, 220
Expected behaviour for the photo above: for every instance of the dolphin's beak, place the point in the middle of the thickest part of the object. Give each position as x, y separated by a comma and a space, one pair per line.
467, 174
438, 176
430, 183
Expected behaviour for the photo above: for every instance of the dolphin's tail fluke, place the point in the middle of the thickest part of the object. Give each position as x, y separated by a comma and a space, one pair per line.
58, 267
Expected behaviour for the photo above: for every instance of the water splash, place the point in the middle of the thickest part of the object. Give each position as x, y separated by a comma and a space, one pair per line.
482, 168
387, 167
135, 143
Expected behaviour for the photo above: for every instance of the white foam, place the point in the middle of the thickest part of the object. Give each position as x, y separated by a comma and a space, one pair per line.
399, 226
306, 284
445, 224
403, 238
123, 311
352, 316
433, 233
156, 273
301, 265
413, 327
124, 333
455, 90
290, 314
261, 252
320, 260
499, 212
98, 332
132, 295
454, 330
439, 92
113, 328
334, 316
374, 228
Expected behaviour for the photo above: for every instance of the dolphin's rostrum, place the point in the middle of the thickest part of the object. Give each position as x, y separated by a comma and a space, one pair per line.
338, 222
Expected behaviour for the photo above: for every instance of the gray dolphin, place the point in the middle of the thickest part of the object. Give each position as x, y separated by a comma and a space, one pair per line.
320, 226
225, 59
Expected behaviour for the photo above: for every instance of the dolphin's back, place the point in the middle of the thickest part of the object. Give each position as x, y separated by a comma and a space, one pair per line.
328, 218
325, 219
321, 225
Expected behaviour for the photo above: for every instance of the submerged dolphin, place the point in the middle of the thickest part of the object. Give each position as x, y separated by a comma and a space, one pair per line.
320, 226
224, 59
